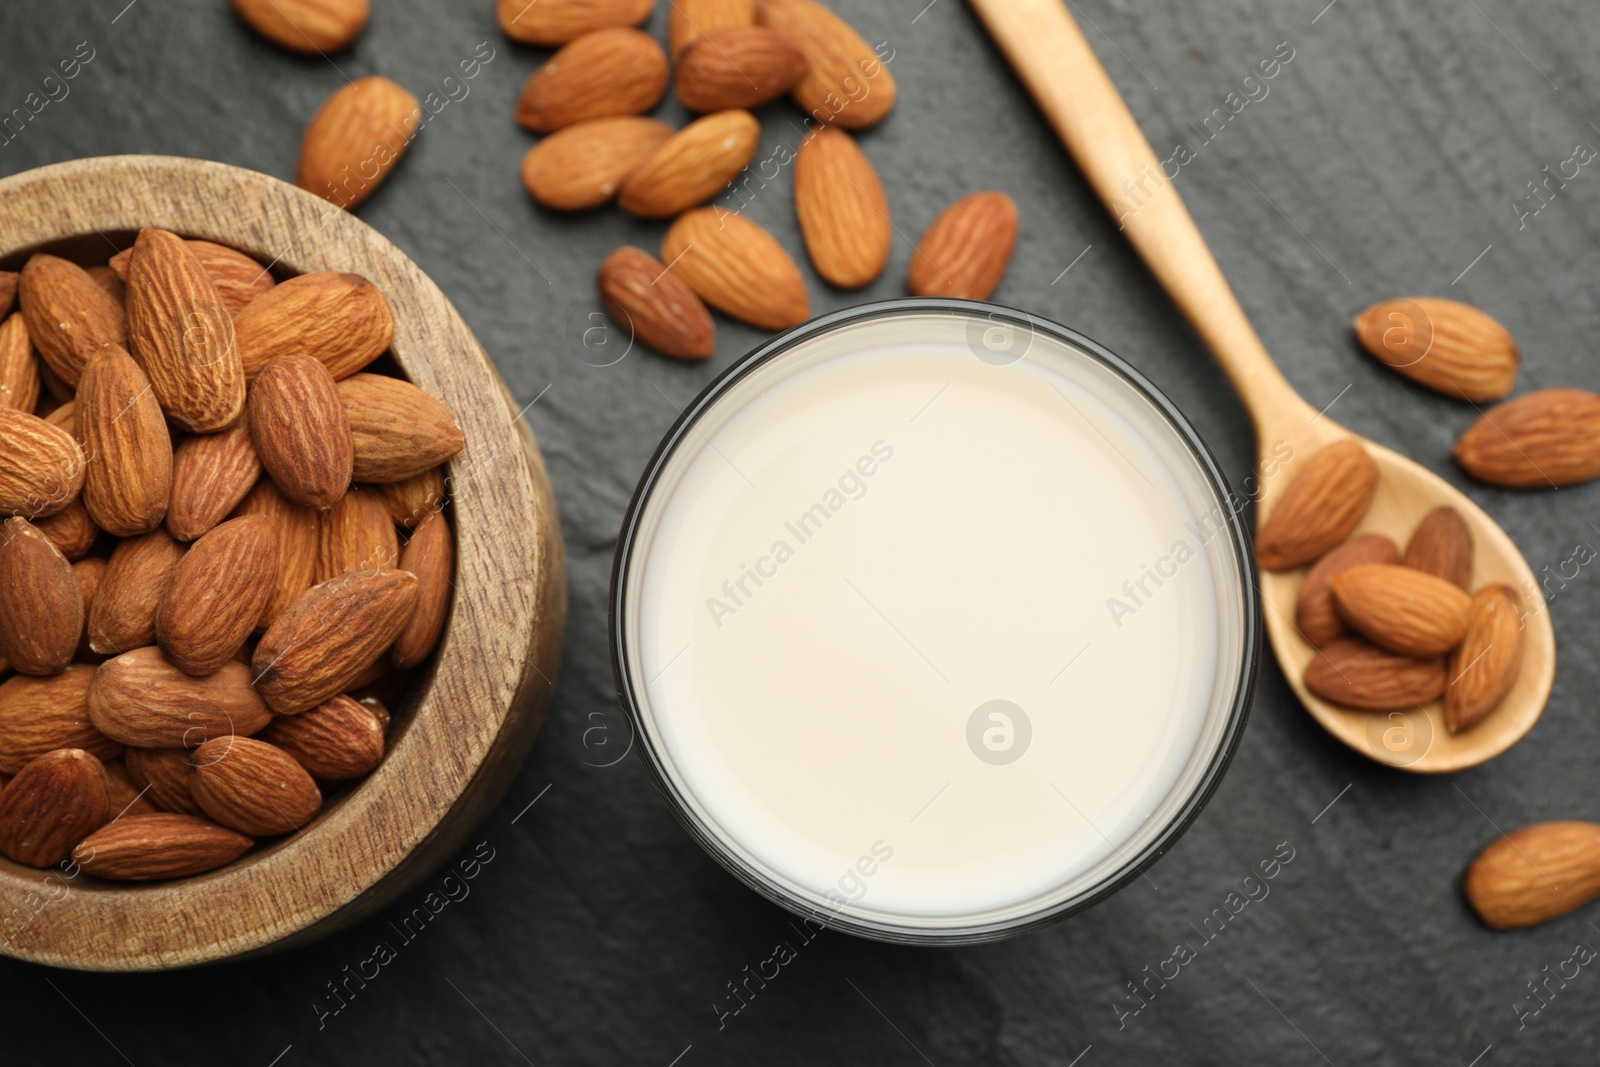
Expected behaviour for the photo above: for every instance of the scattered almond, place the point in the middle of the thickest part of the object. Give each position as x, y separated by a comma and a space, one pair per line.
334, 741
150, 847
356, 534
238, 278
355, 139
600, 74
41, 603
136, 578
211, 473
298, 531
70, 529
166, 777
1442, 547
736, 267
1546, 438
313, 27
1535, 874
689, 20
41, 465
142, 700
128, 474
655, 305
19, 370
300, 432
253, 787
39, 715
1320, 507
583, 165
52, 804
845, 83
692, 165
69, 316
1353, 673
965, 251
1485, 667
738, 67
398, 431
844, 215
1445, 345
553, 22
342, 319
216, 595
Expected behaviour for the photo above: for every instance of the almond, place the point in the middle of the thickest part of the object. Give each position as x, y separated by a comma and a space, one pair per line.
341, 319
54, 387
41, 465
651, 302
689, 20
90, 573
166, 777
1403, 610
19, 370
604, 73
1320, 507
298, 530
1445, 345
430, 555
52, 804
1485, 667
1534, 874
736, 267
381, 713
740, 67
1546, 438
1441, 546
583, 165
1358, 675
253, 787
39, 715
553, 22
70, 529
69, 317
110, 281
64, 417
8, 290
123, 615
398, 431
844, 216
845, 83
238, 278
41, 603
335, 741
151, 847
182, 334
309, 26
128, 474
300, 431
322, 642
211, 473
355, 139
142, 700
413, 500
965, 251
356, 535
125, 797
692, 165
217, 594
1316, 616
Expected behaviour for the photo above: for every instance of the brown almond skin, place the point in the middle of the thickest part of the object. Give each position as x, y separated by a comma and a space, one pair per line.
397, 430
323, 642
430, 555
153, 846
845, 83
128, 472
413, 500
654, 305
41, 465
70, 317
583, 165
182, 334
1535, 874
843, 213
689, 20
554, 22
111, 282
41, 603
144, 701
1402, 609
356, 535
1355, 674
90, 573
1485, 667
342, 319
39, 715
123, 615
355, 139
736, 267
609, 72
1448, 346
965, 251
1441, 546
1320, 508
19, 369
740, 67
8, 290
300, 431
70, 529
64, 417
298, 536
216, 595
253, 787
53, 803
692, 166
1316, 616
166, 776
211, 474
125, 796
311, 27
1540, 440
335, 741
238, 278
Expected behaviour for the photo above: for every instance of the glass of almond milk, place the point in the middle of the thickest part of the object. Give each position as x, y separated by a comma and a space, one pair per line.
935, 621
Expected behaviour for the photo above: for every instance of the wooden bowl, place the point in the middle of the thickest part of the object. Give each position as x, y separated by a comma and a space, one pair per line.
462, 730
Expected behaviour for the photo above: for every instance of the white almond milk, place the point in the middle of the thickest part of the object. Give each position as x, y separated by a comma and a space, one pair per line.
870, 540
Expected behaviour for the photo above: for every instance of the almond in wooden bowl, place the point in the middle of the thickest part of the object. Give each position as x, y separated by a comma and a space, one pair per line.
468, 709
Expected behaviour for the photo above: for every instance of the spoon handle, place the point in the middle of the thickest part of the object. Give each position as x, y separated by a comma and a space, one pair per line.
1071, 87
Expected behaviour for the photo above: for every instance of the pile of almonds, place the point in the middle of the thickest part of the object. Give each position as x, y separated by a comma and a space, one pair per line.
1393, 630
195, 600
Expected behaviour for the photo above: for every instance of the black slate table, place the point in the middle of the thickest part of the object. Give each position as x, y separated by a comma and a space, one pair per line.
1389, 156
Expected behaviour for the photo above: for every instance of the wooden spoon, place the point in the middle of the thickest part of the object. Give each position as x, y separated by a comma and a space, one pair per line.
1073, 90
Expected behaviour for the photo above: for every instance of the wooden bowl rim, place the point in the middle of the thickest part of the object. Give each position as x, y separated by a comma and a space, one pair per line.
475, 711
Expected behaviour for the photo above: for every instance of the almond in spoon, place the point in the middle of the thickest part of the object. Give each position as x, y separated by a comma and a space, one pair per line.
1402, 609
1320, 508
1485, 667
1316, 616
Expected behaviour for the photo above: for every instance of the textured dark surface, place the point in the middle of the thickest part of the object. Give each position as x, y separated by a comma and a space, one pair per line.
1384, 159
